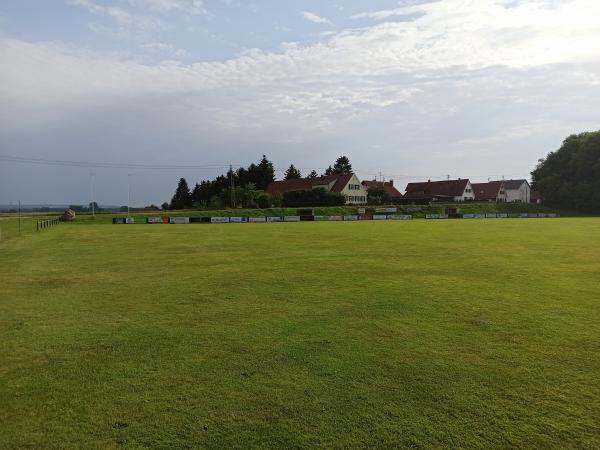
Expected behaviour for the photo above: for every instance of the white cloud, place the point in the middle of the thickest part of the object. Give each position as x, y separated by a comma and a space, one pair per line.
186, 6
315, 18
125, 19
329, 86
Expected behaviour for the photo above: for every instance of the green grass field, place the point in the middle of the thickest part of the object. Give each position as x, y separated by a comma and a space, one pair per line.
424, 334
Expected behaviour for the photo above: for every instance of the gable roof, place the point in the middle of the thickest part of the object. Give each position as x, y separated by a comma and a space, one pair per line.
487, 191
337, 182
511, 185
387, 186
442, 189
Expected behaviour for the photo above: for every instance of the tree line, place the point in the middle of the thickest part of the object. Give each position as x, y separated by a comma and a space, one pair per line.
245, 187
570, 177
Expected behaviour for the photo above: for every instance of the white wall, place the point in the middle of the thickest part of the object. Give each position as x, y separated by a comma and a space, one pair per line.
468, 194
360, 192
523, 194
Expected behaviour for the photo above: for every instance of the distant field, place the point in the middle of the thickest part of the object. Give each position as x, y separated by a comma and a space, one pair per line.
474, 334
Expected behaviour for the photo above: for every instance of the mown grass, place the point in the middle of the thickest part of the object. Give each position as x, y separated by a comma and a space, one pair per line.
475, 334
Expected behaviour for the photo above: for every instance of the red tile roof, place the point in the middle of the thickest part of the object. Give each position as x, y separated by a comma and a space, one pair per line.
487, 191
440, 189
387, 186
535, 196
302, 184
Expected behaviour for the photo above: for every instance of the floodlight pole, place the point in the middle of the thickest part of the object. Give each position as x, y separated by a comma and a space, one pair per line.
19, 217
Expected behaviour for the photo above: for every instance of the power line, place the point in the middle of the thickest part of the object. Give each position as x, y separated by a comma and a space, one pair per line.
143, 166
107, 165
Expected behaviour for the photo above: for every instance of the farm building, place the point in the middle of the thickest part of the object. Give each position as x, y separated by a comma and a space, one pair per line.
387, 186
490, 192
448, 190
346, 184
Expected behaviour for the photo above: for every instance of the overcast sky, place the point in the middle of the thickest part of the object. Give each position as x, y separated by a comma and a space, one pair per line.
414, 89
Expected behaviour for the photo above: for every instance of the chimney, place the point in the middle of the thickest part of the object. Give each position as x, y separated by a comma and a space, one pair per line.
391, 182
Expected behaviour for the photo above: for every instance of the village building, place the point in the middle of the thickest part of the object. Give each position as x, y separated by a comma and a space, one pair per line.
346, 184
492, 191
387, 186
535, 197
448, 190
517, 191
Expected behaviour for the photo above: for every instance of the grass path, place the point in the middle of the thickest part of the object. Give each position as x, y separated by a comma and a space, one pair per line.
478, 334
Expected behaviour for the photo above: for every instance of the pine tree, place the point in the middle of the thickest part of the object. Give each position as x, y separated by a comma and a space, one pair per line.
265, 174
313, 174
292, 173
182, 198
342, 165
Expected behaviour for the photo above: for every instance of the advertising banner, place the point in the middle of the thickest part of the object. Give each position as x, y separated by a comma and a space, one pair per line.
480, 216
180, 220
379, 217
118, 220
468, 216
274, 219
130, 220
491, 216
335, 218
502, 215
321, 218
219, 220
154, 220
386, 210
291, 219
257, 219
238, 219
400, 217
350, 218
432, 216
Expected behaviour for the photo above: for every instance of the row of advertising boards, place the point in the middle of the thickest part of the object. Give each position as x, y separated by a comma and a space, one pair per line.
348, 218
492, 216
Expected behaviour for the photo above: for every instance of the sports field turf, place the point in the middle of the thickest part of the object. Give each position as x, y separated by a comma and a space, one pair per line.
477, 334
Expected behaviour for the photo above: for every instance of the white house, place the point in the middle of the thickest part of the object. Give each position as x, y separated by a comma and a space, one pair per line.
517, 191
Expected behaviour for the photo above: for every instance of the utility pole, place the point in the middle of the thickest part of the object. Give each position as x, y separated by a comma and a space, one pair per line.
128, 193
19, 217
92, 195
232, 184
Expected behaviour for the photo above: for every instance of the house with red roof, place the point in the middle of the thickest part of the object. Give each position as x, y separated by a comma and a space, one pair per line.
387, 186
346, 184
492, 191
448, 190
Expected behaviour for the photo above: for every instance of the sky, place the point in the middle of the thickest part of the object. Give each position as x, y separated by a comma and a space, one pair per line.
409, 90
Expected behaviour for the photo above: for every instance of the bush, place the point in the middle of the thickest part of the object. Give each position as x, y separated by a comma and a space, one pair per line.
312, 197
